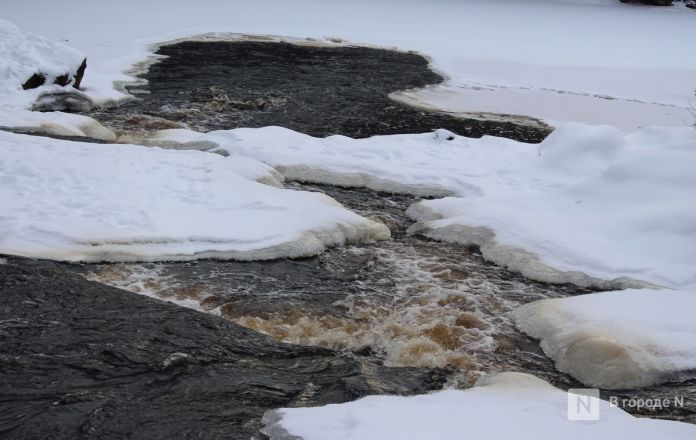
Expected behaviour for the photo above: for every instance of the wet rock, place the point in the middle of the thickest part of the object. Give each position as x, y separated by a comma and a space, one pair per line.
80, 74
82, 360
34, 81
62, 101
38, 79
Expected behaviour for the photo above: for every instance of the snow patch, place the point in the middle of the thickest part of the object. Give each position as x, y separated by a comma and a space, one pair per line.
84, 202
23, 54
588, 205
617, 340
507, 405
631, 220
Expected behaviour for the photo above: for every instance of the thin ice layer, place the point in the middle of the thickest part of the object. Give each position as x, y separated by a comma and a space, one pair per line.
617, 340
88, 202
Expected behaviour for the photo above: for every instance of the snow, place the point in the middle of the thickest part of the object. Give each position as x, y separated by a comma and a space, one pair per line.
24, 54
595, 62
421, 164
589, 205
55, 123
617, 340
507, 405
76, 201
634, 219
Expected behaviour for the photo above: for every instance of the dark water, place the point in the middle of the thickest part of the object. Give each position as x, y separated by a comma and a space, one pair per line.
80, 360
406, 302
315, 90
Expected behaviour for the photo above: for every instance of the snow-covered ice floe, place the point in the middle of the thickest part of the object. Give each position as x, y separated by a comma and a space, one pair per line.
589, 205
617, 340
504, 406
92, 202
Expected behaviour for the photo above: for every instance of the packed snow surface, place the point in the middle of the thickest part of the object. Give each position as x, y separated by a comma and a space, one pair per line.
589, 205
595, 62
617, 340
507, 405
91, 202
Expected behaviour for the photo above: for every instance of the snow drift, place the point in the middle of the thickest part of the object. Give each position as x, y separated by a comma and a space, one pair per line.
88, 202
617, 340
507, 405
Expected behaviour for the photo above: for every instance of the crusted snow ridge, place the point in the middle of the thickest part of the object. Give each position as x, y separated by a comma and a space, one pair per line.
87, 202
506, 405
617, 340
512, 257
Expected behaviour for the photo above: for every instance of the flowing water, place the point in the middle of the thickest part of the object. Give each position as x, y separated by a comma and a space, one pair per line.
407, 301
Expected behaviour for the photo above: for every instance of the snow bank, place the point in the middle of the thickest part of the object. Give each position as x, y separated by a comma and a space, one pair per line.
633, 220
633, 66
23, 54
507, 405
589, 205
87, 202
430, 164
617, 340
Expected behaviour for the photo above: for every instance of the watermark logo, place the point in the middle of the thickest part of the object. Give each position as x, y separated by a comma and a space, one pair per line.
583, 404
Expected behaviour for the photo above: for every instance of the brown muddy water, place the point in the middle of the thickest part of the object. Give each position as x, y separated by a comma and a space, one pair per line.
405, 302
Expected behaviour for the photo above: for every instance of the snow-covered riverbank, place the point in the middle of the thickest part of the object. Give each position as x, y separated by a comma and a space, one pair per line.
594, 62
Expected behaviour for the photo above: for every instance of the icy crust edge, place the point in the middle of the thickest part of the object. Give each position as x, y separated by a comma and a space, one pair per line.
310, 174
513, 258
54, 124
272, 427
309, 244
595, 356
